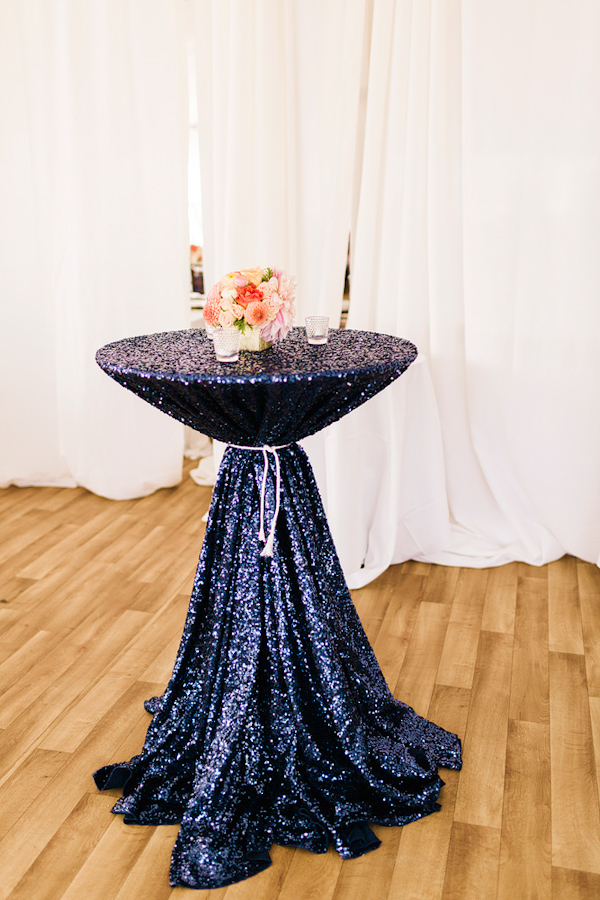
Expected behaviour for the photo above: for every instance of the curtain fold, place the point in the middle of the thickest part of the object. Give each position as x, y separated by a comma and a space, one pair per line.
475, 233
93, 234
278, 94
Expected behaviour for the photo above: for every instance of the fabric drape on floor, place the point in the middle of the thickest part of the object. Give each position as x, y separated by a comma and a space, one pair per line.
476, 235
93, 234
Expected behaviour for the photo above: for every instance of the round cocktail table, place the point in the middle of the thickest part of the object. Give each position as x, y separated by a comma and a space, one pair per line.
277, 725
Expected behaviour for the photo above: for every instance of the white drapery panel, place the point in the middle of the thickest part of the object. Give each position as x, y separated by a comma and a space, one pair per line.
476, 236
278, 93
93, 245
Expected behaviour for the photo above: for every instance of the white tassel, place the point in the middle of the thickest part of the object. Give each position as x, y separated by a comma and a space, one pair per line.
268, 548
261, 531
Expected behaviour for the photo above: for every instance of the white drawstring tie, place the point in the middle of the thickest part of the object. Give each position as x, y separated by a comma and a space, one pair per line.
268, 542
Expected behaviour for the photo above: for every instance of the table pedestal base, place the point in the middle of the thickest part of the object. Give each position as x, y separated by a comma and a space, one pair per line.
277, 725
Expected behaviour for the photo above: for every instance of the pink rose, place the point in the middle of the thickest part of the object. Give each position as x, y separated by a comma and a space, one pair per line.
254, 276
226, 318
238, 311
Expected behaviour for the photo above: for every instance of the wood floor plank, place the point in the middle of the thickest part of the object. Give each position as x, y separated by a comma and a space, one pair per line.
372, 601
150, 641
267, 883
393, 637
564, 621
161, 667
588, 577
568, 884
75, 726
66, 607
22, 533
412, 567
152, 868
457, 664
418, 674
66, 672
423, 852
152, 566
26, 691
10, 589
481, 787
181, 893
66, 852
79, 546
575, 809
525, 856
595, 720
15, 502
41, 821
472, 870
501, 599
21, 661
420, 861
449, 708
440, 584
310, 876
369, 877
529, 688
39, 601
20, 562
109, 862
23, 789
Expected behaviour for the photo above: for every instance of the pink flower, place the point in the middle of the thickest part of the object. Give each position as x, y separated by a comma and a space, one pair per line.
254, 276
248, 294
214, 293
243, 295
211, 311
272, 305
281, 324
256, 313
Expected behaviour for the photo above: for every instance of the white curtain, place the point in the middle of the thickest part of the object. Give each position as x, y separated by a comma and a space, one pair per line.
278, 93
93, 234
476, 235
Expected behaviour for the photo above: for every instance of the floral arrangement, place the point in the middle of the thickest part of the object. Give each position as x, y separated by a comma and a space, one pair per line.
253, 299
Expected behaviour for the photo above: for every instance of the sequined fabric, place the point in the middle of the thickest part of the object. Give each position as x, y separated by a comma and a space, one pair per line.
277, 725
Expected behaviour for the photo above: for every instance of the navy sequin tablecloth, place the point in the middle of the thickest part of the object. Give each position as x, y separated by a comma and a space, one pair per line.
277, 725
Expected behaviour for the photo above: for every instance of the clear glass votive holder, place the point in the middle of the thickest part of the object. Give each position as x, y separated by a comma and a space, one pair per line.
227, 344
317, 329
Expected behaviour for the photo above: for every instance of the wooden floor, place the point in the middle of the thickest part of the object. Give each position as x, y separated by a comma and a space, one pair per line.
93, 595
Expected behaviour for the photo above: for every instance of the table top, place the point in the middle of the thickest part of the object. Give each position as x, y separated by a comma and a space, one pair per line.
285, 393
188, 356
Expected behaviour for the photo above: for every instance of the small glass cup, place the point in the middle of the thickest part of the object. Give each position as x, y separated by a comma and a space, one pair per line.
317, 329
227, 344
